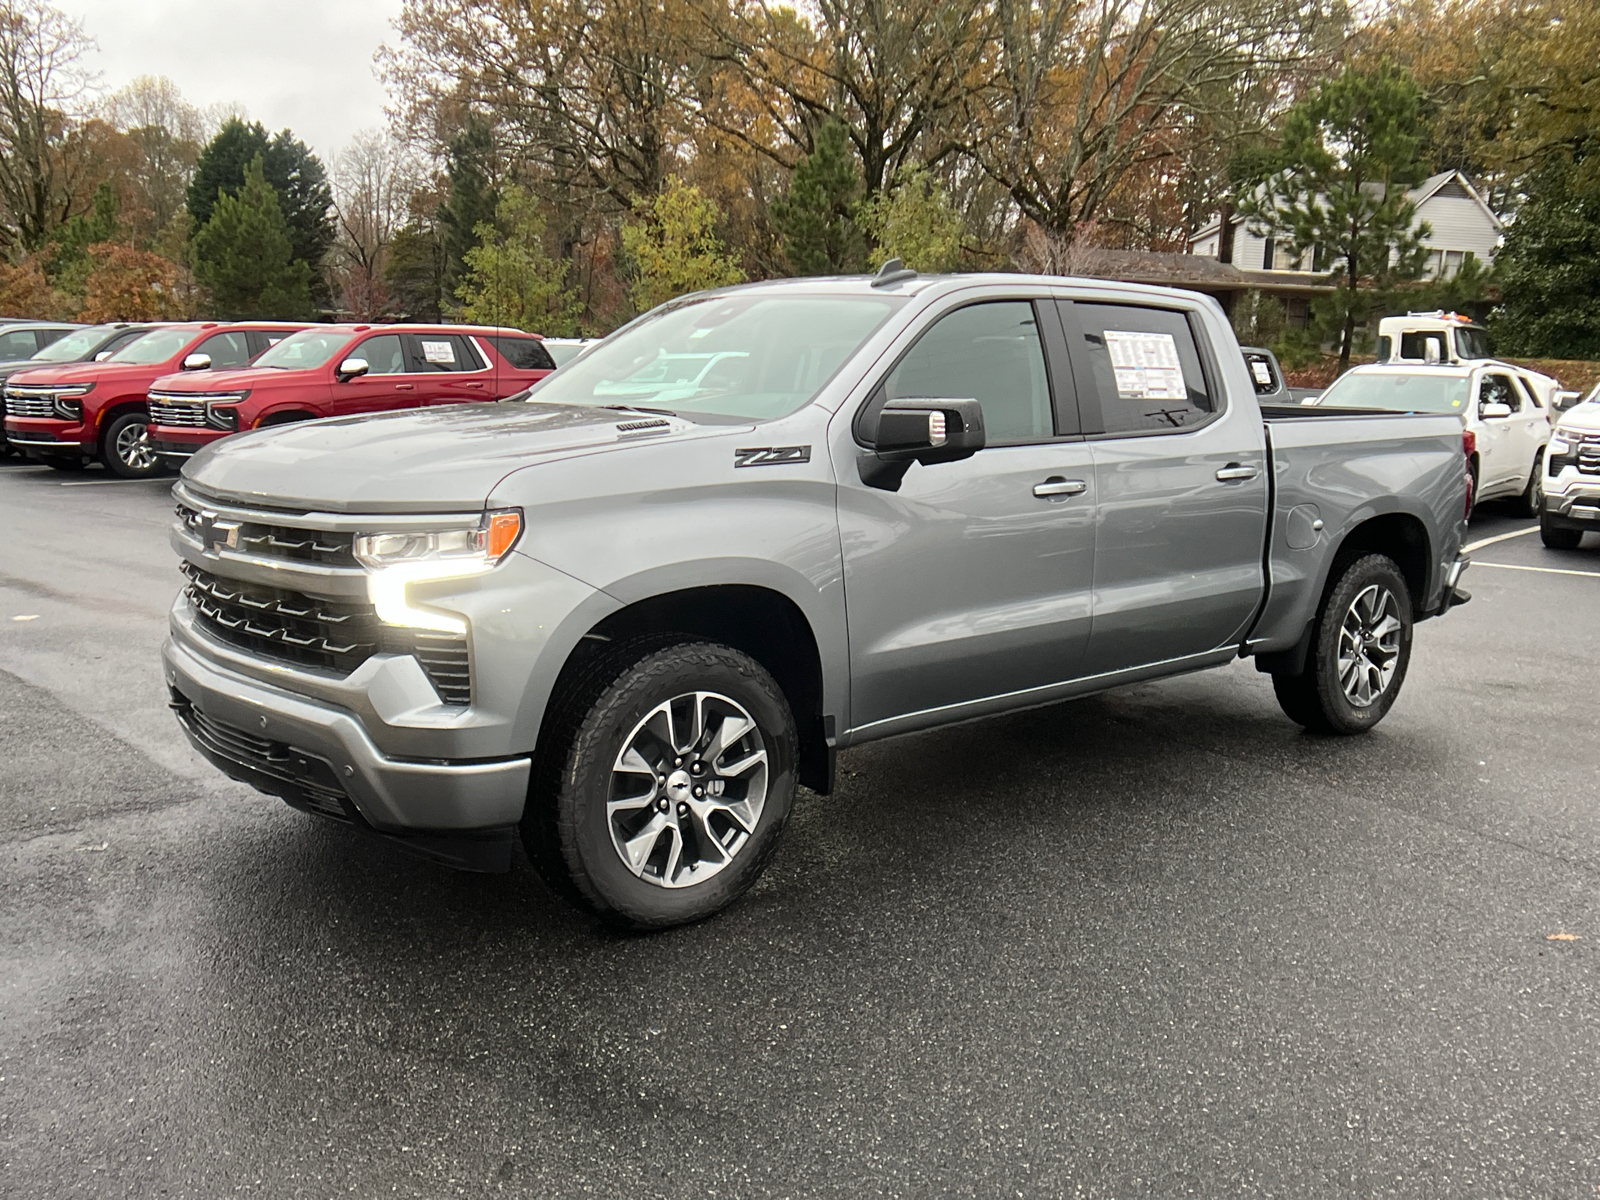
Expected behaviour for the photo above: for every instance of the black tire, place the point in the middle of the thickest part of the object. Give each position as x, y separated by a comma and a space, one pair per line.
1317, 698
1532, 500
1472, 499
1558, 537
62, 463
125, 449
567, 830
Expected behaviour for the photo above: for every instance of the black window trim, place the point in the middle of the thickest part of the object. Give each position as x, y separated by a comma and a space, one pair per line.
1088, 388
1055, 377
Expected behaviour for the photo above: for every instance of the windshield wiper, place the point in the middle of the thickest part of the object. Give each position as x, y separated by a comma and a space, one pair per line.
659, 412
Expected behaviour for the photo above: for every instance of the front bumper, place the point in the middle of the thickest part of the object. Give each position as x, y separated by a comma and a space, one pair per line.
319, 758
175, 445
1572, 500
42, 435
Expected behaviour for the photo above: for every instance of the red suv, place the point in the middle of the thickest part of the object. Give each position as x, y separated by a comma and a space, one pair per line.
78, 411
340, 370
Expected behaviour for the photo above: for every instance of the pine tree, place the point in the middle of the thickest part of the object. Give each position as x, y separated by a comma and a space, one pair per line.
472, 199
817, 217
245, 255
1336, 188
295, 174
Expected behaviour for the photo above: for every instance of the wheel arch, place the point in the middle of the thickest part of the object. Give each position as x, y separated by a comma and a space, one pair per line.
117, 408
286, 415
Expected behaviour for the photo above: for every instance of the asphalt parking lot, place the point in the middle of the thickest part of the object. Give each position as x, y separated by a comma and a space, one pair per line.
1155, 943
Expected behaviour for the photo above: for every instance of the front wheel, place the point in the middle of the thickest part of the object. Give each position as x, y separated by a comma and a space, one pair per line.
1360, 649
127, 447
667, 774
1558, 537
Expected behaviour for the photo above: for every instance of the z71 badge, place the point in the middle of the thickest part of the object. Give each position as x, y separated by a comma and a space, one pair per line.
771, 456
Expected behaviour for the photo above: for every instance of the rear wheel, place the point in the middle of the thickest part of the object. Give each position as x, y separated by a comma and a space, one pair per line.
127, 449
1558, 537
1360, 649
1532, 500
666, 775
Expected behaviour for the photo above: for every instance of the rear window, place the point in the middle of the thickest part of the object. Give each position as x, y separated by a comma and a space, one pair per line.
525, 354
1262, 377
1146, 367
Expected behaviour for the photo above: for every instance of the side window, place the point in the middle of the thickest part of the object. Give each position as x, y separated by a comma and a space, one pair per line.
261, 341
1496, 389
1528, 393
524, 354
118, 342
432, 353
19, 343
1262, 375
46, 336
230, 349
383, 354
1144, 365
986, 352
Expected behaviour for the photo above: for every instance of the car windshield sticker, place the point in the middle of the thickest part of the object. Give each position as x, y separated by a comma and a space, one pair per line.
438, 352
1262, 372
1146, 365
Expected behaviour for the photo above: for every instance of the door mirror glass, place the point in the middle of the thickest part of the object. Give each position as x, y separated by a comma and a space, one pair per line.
197, 362
1566, 400
1430, 350
103, 355
352, 368
1490, 412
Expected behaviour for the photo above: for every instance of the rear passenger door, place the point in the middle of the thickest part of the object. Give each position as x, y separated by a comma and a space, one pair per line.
448, 369
1181, 482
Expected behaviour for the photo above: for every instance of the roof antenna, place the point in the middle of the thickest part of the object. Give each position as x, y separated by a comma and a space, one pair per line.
893, 271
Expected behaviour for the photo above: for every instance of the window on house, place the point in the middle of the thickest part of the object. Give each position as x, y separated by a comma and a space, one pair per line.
1267, 249
1452, 263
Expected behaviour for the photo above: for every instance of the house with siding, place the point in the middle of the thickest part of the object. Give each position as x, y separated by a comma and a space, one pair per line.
1459, 222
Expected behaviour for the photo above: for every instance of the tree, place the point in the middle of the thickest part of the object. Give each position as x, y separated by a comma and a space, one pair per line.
295, 174
168, 132
129, 285
914, 222
1549, 268
415, 273
71, 263
817, 215
471, 199
510, 279
373, 182
674, 246
1337, 190
245, 255
44, 89
25, 290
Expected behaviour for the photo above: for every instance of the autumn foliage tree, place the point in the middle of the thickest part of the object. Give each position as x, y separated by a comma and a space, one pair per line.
129, 285
673, 243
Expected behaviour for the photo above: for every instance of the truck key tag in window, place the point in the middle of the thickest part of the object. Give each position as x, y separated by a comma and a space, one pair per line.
771, 456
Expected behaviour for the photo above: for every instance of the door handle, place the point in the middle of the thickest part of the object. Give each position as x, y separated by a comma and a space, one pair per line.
1057, 486
405, 387
472, 385
1236, 471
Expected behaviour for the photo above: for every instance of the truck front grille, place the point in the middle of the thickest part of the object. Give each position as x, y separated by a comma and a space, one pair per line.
280, 541
168, 412
330, 635
30, 406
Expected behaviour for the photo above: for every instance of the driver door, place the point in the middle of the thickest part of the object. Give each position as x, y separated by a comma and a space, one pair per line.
974, 579
1499, 438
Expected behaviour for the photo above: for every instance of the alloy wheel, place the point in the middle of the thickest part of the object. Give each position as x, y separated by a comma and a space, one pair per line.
687, 789
133, 447
1369, 645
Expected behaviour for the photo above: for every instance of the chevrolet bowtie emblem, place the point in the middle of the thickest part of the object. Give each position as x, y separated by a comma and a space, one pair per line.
217, 534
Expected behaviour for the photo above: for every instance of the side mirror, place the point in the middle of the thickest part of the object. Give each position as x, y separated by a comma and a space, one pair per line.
197, 362
352, 368
925, 431
1490, 412
1430, 350
1565, 400
102, 356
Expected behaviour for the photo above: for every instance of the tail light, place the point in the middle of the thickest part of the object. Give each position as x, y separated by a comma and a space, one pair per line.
1469, 447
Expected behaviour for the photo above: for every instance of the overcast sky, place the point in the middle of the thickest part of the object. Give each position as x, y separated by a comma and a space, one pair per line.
305, 64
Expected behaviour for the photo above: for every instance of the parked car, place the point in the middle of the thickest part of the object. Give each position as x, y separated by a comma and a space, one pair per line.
1507, 426
70, 414
564, 350
21, 340
74, 344
343, 370
629, 630
1571, 501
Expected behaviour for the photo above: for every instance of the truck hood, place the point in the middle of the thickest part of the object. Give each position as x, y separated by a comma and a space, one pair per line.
1585, 418
445, 459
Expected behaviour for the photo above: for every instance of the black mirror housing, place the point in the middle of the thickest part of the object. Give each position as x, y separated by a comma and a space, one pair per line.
926, 431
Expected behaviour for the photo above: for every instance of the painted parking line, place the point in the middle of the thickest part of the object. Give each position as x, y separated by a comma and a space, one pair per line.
109, 482
1541, 570
1502, 537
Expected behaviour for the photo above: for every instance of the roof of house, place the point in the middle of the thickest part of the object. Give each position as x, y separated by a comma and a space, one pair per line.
1177, 269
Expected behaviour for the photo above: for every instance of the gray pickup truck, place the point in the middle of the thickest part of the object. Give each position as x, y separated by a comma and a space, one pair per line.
628, 612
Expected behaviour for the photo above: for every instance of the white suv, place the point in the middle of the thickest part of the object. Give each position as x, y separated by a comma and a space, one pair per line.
1572, 477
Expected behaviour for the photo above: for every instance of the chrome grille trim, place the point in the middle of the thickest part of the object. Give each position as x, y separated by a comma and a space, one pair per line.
30, 405
163, 412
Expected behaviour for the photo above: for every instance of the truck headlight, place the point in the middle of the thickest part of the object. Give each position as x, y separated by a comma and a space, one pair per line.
1562, 442
68, 403
394, 561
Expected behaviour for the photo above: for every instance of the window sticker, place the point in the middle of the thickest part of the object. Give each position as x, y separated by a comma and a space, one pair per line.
1146, 365
438, 352
1262, 372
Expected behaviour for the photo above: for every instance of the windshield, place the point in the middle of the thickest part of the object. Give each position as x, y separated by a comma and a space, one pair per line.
72, 347
1398, 393
308, 348
748, 355
1472, 342
156, 346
